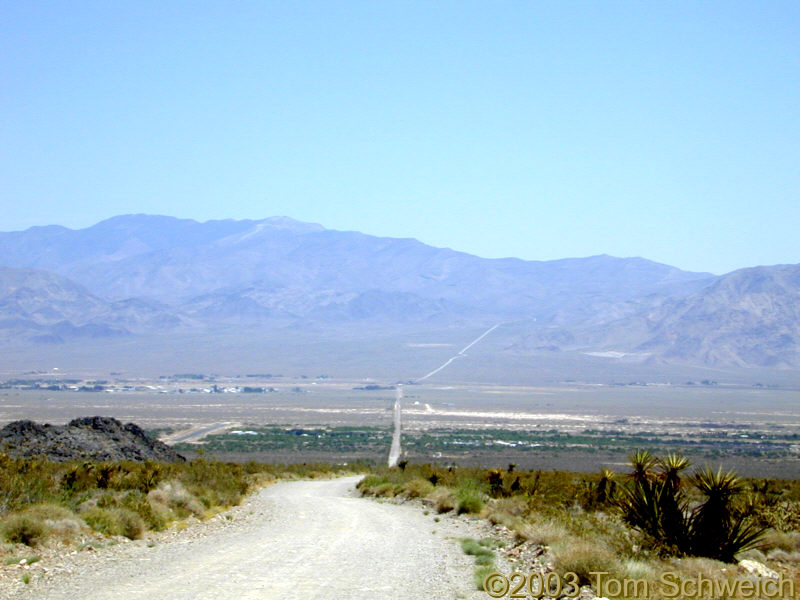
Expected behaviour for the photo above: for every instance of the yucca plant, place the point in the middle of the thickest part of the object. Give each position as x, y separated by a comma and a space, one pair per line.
718, 527
606, 487
602, 493
673, 499
656, 503
642, 462
495, 479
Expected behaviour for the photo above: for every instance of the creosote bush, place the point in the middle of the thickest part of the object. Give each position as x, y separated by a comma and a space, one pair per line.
24, 529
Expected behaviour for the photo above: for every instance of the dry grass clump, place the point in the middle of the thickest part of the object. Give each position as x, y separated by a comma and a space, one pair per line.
371, 484
542, 531
444, 500
470, 497
58, 520
506, 511
583, 557
173, 495
24, 529
639, 569
418, 488
36, 523
788, 541
691, 567
792, 558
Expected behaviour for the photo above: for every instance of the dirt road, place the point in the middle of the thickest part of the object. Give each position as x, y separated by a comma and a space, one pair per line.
302, 539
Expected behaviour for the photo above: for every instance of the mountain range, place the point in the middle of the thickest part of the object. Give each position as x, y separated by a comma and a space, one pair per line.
136, 275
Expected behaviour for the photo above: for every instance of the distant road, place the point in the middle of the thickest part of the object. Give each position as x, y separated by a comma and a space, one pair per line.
395, 450
462, 352
195, 434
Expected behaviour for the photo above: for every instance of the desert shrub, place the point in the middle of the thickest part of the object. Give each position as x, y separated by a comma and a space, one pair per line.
59, 521
781, 516
115, 521
155, 515
24, 529
444, 499
368, 484
506, 511
132, 524
515, 506
386, 490
173, 495
215, 483
66, 529
469, 502
102, 520
418, 488
200, 486
24, 482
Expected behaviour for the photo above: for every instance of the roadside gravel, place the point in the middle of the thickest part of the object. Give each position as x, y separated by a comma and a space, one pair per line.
298, 539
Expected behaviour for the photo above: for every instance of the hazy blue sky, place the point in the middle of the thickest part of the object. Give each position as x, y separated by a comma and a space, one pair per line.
541, 130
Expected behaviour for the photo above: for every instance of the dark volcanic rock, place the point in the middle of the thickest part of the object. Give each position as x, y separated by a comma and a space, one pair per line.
87, 438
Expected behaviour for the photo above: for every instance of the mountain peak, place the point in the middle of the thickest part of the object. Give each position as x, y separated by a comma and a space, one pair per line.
283, 222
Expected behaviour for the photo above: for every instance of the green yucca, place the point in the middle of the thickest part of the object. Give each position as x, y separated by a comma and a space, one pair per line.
657, 504
642, 462
671, 467
673, 499
720, 529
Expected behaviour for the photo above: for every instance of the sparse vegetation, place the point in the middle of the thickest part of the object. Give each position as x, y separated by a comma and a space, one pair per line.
484, 558
638, 525
40, 499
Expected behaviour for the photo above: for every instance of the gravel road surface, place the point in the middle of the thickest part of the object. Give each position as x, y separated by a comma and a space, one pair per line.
299, 539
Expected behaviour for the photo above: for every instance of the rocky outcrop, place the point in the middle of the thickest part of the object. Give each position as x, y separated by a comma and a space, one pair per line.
87, 438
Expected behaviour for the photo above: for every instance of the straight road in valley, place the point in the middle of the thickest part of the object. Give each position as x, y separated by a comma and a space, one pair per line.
395, 450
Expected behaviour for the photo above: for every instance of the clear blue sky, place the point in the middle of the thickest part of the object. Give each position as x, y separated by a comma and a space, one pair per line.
669, 130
